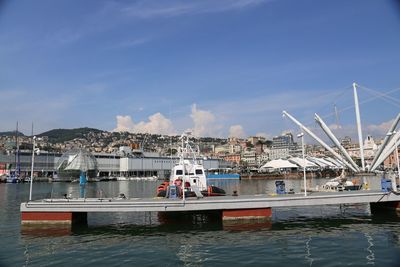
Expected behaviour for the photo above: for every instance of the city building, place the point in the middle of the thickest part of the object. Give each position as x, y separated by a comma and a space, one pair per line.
235, 158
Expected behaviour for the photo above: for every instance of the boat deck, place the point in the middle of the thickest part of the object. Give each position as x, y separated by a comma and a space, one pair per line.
207, 203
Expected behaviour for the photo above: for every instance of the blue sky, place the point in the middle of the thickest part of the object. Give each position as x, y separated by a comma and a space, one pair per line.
220, 67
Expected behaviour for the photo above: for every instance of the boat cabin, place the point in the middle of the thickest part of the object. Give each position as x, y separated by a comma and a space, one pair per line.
189, 174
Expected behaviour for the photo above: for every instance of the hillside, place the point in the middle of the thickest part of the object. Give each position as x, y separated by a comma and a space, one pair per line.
10, 133
62, 135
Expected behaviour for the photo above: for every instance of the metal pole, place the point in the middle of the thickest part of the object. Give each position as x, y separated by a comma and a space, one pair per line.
183, 183
358, 120
397, 159
33, 160
304, 165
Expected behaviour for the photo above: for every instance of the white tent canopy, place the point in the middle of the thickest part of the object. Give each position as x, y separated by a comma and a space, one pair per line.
336, 162
299, 161
323, 163
279, 164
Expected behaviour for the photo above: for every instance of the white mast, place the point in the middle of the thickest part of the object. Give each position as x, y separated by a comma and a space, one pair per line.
360, 137
388, 149
385, 141
322, 143
333, 138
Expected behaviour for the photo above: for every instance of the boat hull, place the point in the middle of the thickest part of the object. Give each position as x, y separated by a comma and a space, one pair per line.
212, 191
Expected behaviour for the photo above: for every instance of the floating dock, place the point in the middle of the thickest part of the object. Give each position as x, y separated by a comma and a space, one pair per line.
231, 207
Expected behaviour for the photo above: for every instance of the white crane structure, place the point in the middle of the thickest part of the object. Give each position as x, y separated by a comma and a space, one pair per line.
389, 148
388, 136
358, 121
333, 138
322, 143
390, 142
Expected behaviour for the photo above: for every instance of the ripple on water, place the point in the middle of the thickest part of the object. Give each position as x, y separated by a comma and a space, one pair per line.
318, 236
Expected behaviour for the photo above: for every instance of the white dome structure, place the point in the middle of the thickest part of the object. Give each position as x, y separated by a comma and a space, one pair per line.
73, 162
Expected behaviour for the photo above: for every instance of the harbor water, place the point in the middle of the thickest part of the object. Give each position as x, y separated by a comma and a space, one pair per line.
346, 235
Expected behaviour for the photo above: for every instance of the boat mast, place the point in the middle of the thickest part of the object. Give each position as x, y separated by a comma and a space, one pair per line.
182, 162
18, 164
360, 137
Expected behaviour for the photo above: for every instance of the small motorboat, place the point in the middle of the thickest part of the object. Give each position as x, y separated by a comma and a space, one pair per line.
341, 183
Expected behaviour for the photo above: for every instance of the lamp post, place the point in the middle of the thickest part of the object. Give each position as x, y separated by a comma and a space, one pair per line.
397, 158
34, 150
301, 135
396, 154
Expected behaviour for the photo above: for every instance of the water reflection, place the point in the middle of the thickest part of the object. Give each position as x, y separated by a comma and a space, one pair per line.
203, 239
300, 236
308, 252
149, 223
371, 256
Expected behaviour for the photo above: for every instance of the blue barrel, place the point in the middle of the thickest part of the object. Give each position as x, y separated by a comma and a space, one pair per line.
386, 185
280, 187
82, 178
172, 191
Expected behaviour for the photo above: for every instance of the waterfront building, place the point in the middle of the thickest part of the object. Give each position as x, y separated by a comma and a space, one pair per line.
284, 141
108, 164
235, 158
44, 162
391, 161
250, 157
284, 146
222, 149
278, 153
346, 142
263, 157
370, 149
253, 140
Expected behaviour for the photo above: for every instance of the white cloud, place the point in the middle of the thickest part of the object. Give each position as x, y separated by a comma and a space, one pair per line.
380, 129
204, 122
157, 124
237, 131
129, 43
375, 130
265, 135
124, 124
157, 8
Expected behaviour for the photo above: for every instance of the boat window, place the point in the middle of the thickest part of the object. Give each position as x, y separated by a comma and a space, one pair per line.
179, 172
199, 172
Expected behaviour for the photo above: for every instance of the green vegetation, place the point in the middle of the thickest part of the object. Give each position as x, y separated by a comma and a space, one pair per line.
63, 135
10, 133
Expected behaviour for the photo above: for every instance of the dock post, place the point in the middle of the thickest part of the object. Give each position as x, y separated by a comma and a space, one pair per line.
247, 214
53, 218
377, 207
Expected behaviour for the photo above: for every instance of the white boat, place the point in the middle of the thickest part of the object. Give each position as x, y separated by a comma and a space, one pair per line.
188, 174
12, 179
340, 183
145, 178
